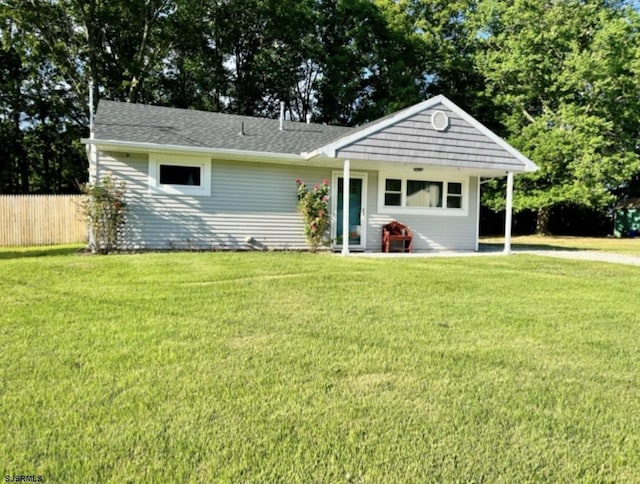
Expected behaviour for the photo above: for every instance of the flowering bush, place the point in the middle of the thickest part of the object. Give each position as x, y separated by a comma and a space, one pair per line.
313, 203
105, 210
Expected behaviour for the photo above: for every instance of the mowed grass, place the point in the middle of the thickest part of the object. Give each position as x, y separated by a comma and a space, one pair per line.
565, 242
286, 367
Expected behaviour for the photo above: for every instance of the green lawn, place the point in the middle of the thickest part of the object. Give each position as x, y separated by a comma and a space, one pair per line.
608, 244
286, 367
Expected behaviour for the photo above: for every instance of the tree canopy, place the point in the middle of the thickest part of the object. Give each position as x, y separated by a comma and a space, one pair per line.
559, 79
564, 75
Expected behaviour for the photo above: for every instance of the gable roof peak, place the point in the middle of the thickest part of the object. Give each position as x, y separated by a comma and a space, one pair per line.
330, 150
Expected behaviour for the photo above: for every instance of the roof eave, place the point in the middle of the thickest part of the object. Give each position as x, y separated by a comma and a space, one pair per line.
201, 150
318, 153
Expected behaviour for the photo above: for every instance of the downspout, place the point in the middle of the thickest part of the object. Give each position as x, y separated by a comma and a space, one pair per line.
93, 161
92, 152
345, 207
508, 214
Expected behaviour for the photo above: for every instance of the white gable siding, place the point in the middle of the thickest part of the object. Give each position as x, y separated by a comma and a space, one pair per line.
414, 140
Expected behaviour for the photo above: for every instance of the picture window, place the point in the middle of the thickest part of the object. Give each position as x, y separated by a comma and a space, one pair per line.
181, 175
412, 194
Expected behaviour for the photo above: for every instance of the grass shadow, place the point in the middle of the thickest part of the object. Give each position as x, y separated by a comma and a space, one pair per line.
498, 246
21, 253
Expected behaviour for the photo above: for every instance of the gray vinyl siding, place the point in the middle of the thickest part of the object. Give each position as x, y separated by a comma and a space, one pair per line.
259, 200
414, 140
430, 232
248, 200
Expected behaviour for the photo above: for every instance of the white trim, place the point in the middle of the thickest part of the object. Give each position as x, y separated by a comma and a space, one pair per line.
440, 126
334, 206
477, 212
423, 176
92, 157
196, 150
508, 214
346, 180
307, 155
204, 163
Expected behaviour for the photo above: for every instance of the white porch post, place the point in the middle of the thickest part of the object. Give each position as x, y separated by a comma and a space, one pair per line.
478, 214
508, 212
345, 207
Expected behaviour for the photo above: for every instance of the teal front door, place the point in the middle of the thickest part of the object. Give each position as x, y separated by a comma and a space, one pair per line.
357, 219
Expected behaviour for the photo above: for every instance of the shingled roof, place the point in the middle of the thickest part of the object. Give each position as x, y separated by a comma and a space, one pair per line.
139, 123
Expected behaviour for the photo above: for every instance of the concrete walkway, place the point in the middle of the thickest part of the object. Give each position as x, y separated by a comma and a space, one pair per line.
590, 255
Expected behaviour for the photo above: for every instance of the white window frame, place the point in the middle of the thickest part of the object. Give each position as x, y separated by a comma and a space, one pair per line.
437, 211
364, 217
158, 159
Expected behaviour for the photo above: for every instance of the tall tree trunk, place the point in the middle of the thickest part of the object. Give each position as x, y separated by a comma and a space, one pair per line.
19, 152
543, 220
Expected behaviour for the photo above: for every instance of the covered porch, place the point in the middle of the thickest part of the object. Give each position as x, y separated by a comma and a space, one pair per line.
423, 167
363, 224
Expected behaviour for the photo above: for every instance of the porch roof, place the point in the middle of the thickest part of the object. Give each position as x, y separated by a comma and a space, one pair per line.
435, 132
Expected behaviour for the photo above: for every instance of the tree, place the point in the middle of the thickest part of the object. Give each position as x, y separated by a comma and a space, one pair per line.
14, 170
564, 75
41, 150
265, 45
370, 63
193, 74
50, 50
443, 28
118, 43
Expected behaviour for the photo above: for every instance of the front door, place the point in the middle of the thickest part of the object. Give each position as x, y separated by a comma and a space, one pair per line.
357, 216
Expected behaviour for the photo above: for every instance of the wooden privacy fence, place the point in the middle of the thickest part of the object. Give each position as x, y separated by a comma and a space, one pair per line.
41, 220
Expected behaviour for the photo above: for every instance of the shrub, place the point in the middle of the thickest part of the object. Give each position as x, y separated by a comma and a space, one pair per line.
313, 205
105, 210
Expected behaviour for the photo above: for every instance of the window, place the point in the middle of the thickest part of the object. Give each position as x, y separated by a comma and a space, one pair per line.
428, 195
422, 193
454, 195
393, 192
179, 174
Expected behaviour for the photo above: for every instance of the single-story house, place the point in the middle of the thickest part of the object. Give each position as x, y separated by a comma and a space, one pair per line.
206, 180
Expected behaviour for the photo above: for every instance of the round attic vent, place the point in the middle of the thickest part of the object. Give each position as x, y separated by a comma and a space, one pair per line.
439, 121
